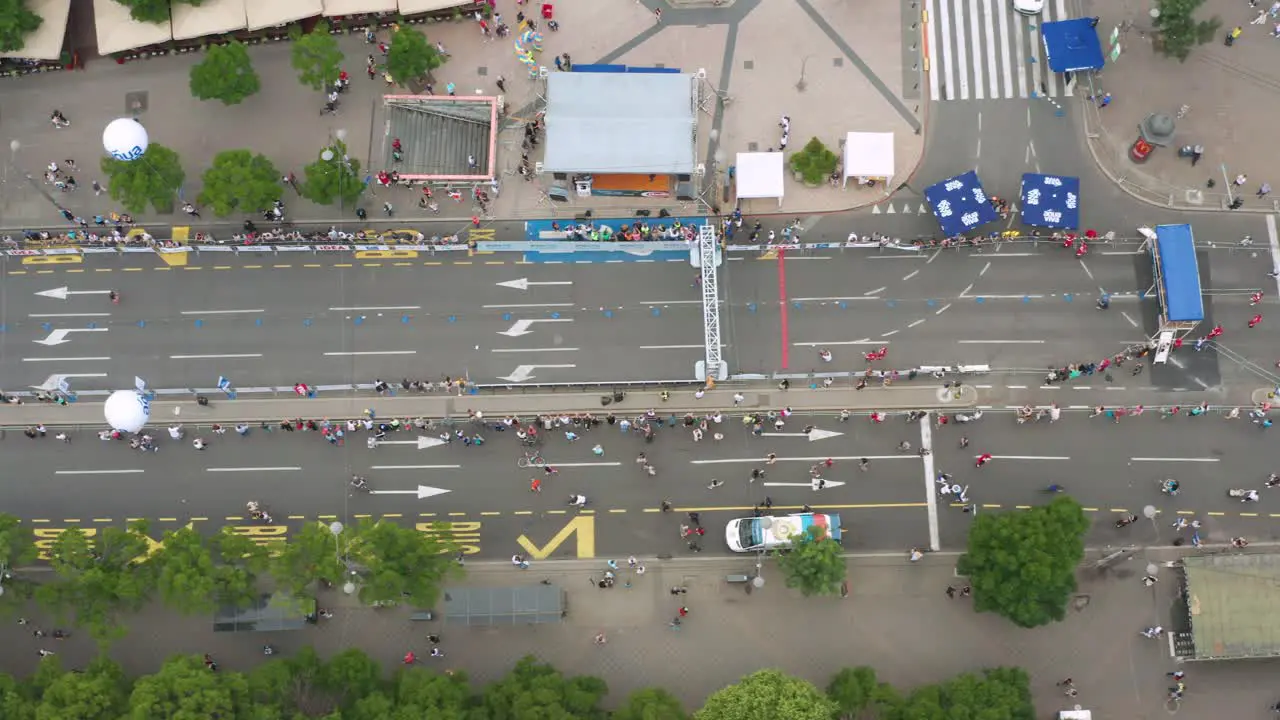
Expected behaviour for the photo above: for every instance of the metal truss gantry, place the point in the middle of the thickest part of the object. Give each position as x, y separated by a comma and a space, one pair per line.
708, 257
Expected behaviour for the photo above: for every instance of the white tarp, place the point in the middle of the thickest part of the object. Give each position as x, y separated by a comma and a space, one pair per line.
337, 8
118, 32
868, 155
213, 17
412, 7
760, 175
264, 15
46, 42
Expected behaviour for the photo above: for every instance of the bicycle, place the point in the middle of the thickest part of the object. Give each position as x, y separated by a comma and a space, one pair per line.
531, 460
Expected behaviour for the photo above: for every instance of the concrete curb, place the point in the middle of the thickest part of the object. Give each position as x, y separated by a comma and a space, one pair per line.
496, 406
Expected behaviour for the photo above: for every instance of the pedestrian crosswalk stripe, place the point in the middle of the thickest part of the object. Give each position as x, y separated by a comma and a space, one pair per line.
875, 210
891, 211
984, 50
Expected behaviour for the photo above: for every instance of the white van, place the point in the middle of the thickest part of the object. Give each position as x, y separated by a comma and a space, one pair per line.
752, 535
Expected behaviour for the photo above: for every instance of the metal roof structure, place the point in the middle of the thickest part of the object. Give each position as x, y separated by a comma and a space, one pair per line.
520, 605
438, 134
1233, 603
621, 123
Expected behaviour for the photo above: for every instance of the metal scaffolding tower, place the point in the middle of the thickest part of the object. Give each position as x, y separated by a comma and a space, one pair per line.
708, 256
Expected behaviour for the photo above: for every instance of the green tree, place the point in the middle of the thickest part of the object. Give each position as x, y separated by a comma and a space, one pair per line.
402, 563
240, 181
537, 690
16, 23
290, 684
1179, 32
14, 704
184, 689
651, 704
1022, 564
351, 675
411, 57
336, 179
765, 695
97, 580
197, 575
316, 56
815, 162
152, 179
226, 73
17, 547
153, 11
813, 565
856, 690
998, 694
310, 555
98, 693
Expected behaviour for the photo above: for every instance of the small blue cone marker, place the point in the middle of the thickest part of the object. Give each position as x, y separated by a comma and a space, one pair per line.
980, 300
608, 313
199, 323
258, 322
1068, 297
843, 305
931, 303
891, 303
656, 312
1026, 298
46, 327
506, 317
405, 319
359, 320
306, 322
142, 323
555, 316
453, 318
751, 307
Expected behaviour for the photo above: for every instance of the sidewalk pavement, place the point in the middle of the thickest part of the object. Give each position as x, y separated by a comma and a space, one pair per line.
452, 406
896, 619
1214, 83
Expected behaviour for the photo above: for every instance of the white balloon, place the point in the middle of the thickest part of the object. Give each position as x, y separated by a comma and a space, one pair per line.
127, 410
125, 139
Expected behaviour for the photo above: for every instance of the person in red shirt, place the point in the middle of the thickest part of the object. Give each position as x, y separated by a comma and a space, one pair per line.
1253, 321
983, 459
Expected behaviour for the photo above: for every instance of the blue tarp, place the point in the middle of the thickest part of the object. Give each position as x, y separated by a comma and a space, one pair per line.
1179, 273
1072, 45
960, 204
1051, 201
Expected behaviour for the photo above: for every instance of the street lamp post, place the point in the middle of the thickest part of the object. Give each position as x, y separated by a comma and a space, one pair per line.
328, 155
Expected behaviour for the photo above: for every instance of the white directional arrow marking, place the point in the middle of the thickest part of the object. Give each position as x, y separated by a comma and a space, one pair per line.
830, 484
525, 372
521, 327
53, 382
423, 442
524, 283
58, 337
814, 434
62, 293
423, 492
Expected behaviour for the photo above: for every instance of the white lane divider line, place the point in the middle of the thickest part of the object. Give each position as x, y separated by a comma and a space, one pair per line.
533, 350
965, 292
942, 309
930, 492
68, 315
915, 323
225, 312
415, 467
1174, 459
359, 309
253, 469
872, 293
985, 268
371, 352
519, 306
1087, 271
215, 357
726, 461
1030, 457
582, 464
1001, 342
98, 472
67, 359
1274, 241
1131, 320
910, 275
891, 333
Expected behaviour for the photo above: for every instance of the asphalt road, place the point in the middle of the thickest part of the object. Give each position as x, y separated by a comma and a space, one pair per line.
489, 508
1013, 306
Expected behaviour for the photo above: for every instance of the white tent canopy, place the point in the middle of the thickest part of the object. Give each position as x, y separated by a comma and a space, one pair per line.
213, 17
46, 42
337, 8
413, 7
117, 31
868, 155
760, 175
264, 15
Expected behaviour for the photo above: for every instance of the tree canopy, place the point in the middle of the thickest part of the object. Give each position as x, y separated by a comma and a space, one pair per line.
195, 574
240, 181
16, 23
410, 56
766, 695
537, 690
401, 563
226, 73
1022, 564
97, 580
315, 55
335, 180
310, 555
1179, 31
153, 179
651, 704
153, 11
813, 565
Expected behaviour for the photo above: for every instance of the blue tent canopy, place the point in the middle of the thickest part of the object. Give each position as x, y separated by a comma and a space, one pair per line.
1072, 45
960, 204
1051, 201
1179, 273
